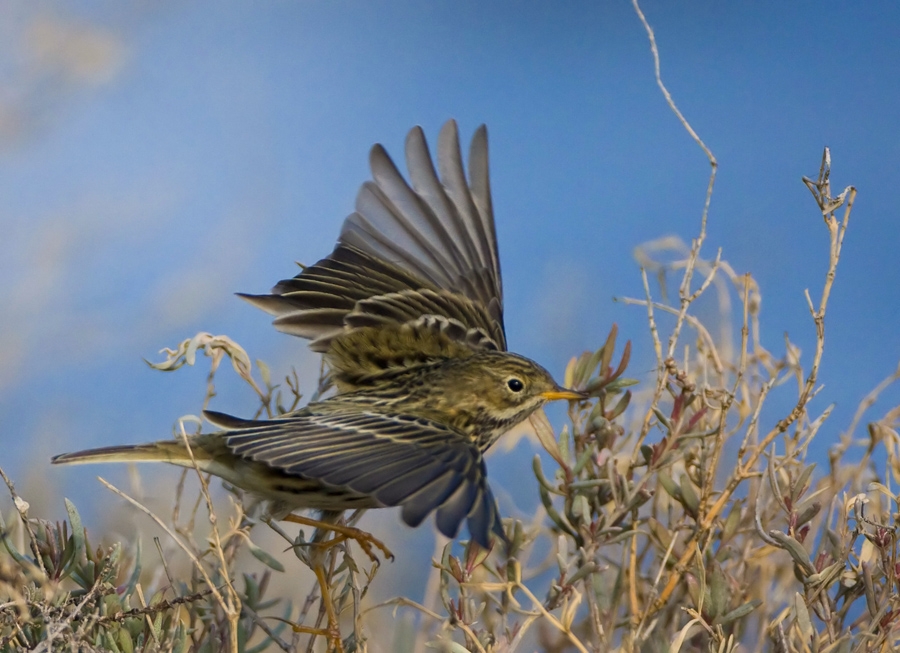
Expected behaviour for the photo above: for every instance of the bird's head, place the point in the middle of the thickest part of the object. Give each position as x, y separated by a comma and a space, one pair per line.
489, 393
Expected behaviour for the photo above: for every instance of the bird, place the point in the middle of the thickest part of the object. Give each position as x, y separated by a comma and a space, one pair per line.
407, 311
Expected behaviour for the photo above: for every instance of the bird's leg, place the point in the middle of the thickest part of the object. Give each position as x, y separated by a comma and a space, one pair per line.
365, 540
333, 632
327, 634
334, 628
317, 559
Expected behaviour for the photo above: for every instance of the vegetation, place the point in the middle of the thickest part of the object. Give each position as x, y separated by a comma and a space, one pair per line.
683, 517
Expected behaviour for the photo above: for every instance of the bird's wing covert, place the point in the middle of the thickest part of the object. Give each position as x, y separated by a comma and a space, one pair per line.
400, 460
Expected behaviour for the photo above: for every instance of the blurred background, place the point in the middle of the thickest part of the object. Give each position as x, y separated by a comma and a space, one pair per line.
156, 157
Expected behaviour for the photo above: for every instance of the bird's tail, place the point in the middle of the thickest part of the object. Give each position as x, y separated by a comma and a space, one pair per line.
167, 451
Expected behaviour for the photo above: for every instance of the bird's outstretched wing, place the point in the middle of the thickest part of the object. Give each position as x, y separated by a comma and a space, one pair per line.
397, 459
421, 254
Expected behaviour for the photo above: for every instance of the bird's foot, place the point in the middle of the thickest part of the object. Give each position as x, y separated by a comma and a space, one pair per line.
333, 636
365, 540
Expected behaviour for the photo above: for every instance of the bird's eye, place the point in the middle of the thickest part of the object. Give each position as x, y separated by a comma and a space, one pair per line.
515, 385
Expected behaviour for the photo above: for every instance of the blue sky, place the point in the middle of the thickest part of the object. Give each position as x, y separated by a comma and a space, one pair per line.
157, 158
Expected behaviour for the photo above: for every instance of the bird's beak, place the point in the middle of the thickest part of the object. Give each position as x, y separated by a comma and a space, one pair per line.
563, 393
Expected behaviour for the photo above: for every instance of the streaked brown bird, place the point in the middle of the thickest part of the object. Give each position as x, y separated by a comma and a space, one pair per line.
408, 312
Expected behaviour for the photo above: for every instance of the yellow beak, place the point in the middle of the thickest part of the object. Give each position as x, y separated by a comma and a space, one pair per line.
563, 393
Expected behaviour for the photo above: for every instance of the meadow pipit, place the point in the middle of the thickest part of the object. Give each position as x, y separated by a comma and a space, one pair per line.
408, 312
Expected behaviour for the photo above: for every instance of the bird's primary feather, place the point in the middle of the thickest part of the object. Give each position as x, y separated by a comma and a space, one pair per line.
397, 459
421, 254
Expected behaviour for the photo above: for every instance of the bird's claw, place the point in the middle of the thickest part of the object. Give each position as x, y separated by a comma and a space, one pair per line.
365, 540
